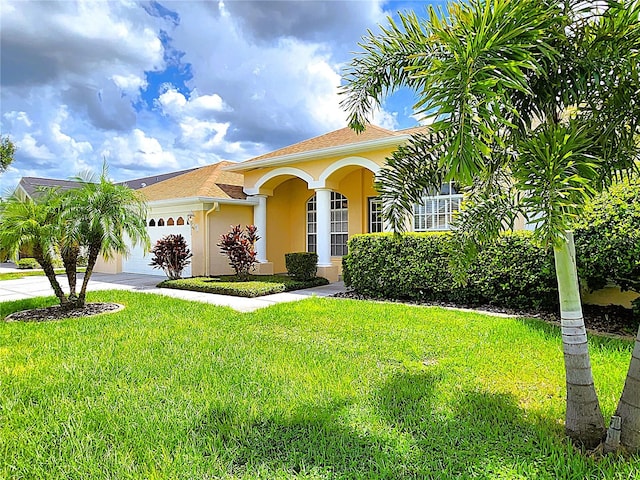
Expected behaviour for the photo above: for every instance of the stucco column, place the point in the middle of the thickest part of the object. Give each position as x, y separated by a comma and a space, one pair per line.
323, 226
260, 221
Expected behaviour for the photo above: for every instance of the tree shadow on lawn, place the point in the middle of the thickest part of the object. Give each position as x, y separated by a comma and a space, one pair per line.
400, 436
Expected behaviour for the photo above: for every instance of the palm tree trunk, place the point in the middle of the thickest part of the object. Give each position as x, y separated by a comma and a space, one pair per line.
50, 272
91, 262
584, 422
70, 261
629, 406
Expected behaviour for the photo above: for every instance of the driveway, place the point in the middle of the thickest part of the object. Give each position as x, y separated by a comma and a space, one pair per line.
30, 287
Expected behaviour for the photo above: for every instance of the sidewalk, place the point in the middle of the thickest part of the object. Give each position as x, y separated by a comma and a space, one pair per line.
30, 287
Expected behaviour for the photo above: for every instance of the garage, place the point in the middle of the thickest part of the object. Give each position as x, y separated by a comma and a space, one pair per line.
138, 261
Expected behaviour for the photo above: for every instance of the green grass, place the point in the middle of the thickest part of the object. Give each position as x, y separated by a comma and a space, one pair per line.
255, 286
32, 273
318, 389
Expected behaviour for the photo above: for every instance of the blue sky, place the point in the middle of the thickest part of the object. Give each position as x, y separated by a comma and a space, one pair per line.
157, 86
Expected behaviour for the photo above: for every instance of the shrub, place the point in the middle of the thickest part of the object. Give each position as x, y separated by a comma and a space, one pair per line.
27, 264
608, 238
238, 246
255, 286
172, 255
301, 265
512, 273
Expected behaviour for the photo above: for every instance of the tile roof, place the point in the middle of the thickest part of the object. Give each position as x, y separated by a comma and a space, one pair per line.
210, 181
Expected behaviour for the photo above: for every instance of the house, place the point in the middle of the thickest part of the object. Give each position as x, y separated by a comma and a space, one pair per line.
310, 196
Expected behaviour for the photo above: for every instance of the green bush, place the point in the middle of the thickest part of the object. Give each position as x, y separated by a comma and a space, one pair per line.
27, 264
301, 265
513, 272
608, 238
254, 286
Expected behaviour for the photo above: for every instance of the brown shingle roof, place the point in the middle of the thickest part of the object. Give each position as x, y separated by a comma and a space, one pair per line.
138, 183
344, 136
209, 181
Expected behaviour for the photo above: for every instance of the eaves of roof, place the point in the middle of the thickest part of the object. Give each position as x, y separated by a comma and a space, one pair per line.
320, 153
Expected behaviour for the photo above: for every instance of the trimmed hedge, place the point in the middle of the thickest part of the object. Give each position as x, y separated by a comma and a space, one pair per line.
255, 286
301, 265
27, 264
513, 272
608, 238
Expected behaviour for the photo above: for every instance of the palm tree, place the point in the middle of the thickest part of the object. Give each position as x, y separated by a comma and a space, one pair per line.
32, 223
536, 110
99, 215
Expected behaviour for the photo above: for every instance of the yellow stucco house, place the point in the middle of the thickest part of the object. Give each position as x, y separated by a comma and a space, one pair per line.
310, 196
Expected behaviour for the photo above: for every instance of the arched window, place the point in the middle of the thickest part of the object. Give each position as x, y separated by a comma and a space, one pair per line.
180, 221
160, 222
152, 223
170, 222
339, 224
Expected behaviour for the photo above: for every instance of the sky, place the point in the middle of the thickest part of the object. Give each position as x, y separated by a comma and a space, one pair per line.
157, 86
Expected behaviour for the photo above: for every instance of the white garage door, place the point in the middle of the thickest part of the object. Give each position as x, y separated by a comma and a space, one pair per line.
138, 262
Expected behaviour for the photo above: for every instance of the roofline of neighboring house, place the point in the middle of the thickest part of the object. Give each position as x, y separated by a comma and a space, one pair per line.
328, 151
190, 200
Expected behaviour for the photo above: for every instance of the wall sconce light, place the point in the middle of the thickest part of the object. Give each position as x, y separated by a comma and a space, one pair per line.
190, 218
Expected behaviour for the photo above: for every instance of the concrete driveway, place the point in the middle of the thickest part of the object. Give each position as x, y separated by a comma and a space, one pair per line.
30, 287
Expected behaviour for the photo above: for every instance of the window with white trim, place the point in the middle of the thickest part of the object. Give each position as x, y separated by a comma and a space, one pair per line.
376, 224
339, 224
312, 225
436, 209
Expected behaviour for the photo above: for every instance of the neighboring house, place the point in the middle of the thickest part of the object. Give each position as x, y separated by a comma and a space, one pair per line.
30, 186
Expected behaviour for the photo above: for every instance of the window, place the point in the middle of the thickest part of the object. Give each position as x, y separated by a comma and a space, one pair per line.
312, 223
161, 222
339, 224
375, 215
180, 221
152, 223
436, 210
170, 222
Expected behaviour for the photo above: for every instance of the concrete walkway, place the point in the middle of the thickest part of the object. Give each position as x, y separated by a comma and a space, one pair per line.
38, 286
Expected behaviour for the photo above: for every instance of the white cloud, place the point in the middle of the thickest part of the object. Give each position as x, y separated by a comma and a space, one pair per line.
129, 84
175, 104
137, 150
255, 76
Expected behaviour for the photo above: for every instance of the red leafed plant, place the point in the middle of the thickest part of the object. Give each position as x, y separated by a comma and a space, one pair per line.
172, 255
238, 245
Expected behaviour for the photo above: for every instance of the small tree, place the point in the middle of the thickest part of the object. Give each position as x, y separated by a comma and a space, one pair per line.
172, 255
7, 150
238, 246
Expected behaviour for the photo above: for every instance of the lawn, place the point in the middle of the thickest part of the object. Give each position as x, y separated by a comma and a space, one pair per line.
322, 388
32, 273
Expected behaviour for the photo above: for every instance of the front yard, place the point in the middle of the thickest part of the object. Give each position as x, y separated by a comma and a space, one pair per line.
322, 388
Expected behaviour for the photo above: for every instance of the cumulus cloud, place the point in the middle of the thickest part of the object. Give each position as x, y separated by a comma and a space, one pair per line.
156, 86
136, 151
